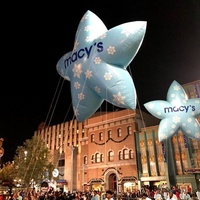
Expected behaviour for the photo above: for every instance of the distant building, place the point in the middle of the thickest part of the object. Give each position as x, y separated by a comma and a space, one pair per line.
120, 150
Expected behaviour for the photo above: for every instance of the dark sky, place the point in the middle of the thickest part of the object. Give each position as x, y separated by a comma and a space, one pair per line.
35, 36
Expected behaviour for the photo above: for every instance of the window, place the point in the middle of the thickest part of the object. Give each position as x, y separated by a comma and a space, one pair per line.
85, 160
129, 131
102, 158
131, 154
97, 158
93, 159
61, 163
120, 156
92, 137
100, 136
119, 132
125, 154
109, 134
110, 156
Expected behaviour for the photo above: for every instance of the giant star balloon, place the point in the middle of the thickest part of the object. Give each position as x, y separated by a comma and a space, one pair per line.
178, 112
96, 67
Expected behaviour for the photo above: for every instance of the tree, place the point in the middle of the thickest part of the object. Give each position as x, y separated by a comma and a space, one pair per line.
32, 162
7, 173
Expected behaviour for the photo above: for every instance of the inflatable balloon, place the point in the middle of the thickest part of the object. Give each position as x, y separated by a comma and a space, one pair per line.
178, 112
96, 67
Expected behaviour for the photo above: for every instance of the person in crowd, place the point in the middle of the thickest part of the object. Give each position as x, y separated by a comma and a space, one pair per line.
95, 195
19, 197
13, 196
171, 195
183, 195
198, 194
176, 192
109, 195
145, 196
157, 195
188, 196
189, 189
165, 193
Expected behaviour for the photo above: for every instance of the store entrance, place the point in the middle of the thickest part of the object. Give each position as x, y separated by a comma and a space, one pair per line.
112, 181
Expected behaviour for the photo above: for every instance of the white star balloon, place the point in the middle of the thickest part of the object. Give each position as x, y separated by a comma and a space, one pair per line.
178, 112
96, 67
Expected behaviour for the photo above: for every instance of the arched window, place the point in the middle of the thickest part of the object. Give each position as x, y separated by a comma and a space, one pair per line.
119, 132
129, 131
100, 136
109, 134
93, 159
125, 154
102, 158
85, 160
131, 154
120, 155
92, 137
98, 158
110, 156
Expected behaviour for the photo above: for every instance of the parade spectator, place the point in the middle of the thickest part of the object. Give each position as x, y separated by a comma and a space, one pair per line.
171, 195
145, 196
109, 195
19, 197
188, 196
198, 194
157, 195
95, 195
183, 195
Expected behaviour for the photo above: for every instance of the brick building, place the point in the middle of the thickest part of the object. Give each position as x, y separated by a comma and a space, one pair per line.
120, 150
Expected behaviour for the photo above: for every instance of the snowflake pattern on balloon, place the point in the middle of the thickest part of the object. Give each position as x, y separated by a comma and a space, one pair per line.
178, 112
96, 67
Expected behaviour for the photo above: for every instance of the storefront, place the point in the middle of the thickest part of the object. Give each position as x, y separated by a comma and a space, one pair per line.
61, 185
128, 184
95, 184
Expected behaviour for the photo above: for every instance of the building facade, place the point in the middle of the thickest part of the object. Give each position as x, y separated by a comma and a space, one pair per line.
120, 151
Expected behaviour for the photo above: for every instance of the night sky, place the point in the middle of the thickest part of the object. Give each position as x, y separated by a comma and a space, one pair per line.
35, 36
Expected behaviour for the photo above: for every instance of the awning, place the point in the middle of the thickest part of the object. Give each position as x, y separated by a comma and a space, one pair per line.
99, 180
128, 178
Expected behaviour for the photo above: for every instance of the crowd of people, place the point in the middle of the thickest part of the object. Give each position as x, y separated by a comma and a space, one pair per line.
60, 195
174, 193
